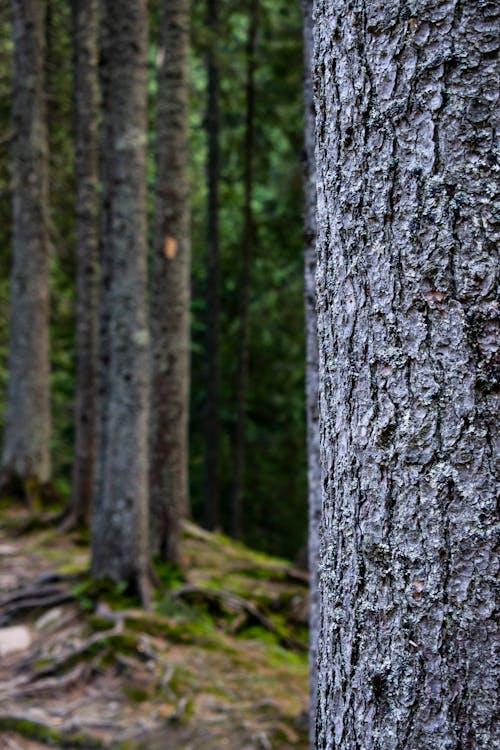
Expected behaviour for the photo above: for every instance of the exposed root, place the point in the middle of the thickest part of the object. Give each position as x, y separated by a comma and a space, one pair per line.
236, 604
35, 730
30, 598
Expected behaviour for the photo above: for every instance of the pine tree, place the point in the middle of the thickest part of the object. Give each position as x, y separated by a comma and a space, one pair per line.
407, 320
120, 530
86, 106
170, 290
26, 448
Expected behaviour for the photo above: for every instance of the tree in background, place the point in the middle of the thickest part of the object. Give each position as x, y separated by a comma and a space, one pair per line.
247, 244
275, 514
313, 450
170, 289
86, 99
408, 387
120, 528
26, 449
212, 314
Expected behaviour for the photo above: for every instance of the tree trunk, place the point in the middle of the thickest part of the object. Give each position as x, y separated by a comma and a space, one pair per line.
212, 426
406, 321
26, 450
120, 539
170, 298
248, 241
313, 454
85, 30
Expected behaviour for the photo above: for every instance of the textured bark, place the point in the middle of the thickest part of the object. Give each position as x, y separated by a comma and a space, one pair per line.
247, 247
170, 290
105, 264
26, 450
312, 365
212, 425
85, 30
119, 538
407, 321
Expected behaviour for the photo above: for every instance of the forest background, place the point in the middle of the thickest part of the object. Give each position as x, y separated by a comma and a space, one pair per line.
275, 499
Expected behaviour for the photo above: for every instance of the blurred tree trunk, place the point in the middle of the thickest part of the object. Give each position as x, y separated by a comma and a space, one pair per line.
26, 449
408, 336
313, 454
119, 530
212, 425
247, 246
86, 108
170, 285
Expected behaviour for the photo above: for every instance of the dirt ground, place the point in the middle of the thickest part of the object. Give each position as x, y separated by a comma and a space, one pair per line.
219, 664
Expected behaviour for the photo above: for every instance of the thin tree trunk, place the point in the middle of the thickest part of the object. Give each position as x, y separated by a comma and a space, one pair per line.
212, 425
120, 529
408, 328
105, 265
26, 449
85, 30
170, 290
247, 245
312, 365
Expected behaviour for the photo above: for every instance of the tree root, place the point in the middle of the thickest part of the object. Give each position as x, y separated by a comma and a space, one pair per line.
50, 685
236, 604
37, 731
99, 642
32, 597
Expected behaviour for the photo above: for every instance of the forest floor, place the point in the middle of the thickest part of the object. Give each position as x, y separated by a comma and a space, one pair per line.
219, 664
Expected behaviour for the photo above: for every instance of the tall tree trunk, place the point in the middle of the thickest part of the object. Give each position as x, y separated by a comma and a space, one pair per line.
170, 290
85, 30
120, 538
105, 265
408, 391
212, 425
26, 449
247, 245
312, 365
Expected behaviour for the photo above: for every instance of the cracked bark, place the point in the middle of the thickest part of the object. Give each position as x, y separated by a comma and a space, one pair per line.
170, 290
26, 446
119, 538
408, 335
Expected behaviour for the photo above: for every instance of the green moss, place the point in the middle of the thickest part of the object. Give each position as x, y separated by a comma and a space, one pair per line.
49, 735
176, 608
136, 694
169, 574
89, 592
100, 623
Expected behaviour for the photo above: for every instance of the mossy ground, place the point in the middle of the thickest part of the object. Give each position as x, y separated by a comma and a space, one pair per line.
194, 672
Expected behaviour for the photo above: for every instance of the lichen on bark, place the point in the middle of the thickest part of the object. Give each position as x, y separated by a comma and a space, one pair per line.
408, 322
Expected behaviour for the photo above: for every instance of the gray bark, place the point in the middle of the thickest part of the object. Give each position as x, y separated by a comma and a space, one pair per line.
85, 30
26, 449
407, 322
312, 365
119, 538
170, 290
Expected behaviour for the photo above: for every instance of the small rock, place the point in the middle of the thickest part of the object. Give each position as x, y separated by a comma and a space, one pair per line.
14, 639
48, 618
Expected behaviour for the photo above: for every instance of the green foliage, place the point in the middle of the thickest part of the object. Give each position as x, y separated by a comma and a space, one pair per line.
275, 500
